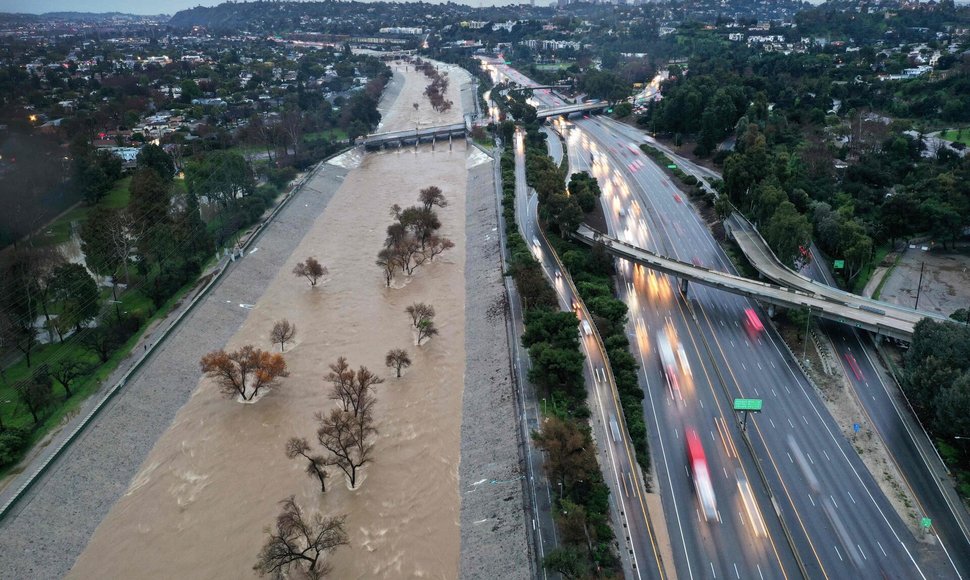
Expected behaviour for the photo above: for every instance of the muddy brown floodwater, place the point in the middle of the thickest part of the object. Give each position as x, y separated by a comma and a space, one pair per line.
199, 504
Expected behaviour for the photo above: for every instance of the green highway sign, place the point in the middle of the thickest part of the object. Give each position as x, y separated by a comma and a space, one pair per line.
838, 264
747, 405
926, 522
671, 166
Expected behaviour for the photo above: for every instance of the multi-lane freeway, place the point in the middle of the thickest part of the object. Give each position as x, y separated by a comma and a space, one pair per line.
640, 552
840, 523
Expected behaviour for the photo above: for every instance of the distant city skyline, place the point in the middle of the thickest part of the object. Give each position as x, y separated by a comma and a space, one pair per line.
173, 6
163, 6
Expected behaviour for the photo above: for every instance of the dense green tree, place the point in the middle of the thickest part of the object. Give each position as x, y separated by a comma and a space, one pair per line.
786, 232
220, 176
154, 157
557, 370
150, 198
78, 295
562, 211
570, 561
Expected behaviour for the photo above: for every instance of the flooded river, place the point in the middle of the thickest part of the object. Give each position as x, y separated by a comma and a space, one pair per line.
200, 503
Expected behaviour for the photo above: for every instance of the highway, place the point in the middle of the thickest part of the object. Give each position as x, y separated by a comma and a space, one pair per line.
768, 293
538, 489
739, 542
639, 549
909, 447
842, 524
883, 406
762, 258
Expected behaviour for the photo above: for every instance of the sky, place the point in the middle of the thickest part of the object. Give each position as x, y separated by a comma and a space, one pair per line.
126, 6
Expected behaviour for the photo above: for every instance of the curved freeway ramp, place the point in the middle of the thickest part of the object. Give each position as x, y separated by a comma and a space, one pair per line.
764, 260
853, 311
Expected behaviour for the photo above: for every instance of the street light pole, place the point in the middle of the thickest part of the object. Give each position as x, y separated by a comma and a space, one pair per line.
919, 286
808, 321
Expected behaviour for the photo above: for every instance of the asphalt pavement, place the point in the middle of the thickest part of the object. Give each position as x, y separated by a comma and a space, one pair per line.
639, 551
908, 445
841, 526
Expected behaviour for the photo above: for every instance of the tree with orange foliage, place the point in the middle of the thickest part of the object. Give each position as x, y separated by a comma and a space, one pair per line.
245, 371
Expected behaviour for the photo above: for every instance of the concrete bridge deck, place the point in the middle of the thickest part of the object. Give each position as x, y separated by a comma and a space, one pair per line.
852, 312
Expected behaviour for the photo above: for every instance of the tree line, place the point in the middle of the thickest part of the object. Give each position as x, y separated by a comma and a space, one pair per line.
936, 380
436, 89
552, 340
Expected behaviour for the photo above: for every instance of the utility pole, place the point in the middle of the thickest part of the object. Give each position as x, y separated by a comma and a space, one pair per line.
920, 285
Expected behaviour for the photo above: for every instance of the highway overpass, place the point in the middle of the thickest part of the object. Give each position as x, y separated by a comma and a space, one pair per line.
415, 136
883, 323
569, 109
764, 260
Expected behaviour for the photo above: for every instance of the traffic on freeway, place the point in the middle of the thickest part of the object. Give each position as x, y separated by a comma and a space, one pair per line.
841, 525
640, 554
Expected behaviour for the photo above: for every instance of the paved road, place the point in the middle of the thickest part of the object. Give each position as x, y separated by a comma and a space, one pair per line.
885, 411
538, 489
639, 551
908, 445
841, 526
758, 253
729, 546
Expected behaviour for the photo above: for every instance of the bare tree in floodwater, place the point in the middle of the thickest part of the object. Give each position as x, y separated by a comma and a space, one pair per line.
245, 371
418, 312
282, 333
312, 270
426, 329
351, 388
300, 447
397, 359
348, 439
300, 542
432, 196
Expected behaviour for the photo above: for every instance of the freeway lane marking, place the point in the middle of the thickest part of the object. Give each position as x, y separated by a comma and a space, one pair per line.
811, 500
826, 455
861, 552
850, 495
772, 423
839, 553
881, 549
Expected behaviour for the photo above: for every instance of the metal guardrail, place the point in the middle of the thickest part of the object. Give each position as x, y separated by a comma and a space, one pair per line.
117, 387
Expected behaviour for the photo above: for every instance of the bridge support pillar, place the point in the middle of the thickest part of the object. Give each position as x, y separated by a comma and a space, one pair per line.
771, 311
434, 141
683, 286
450, 143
